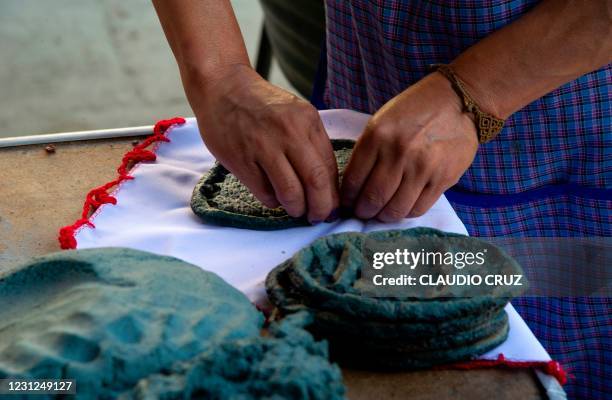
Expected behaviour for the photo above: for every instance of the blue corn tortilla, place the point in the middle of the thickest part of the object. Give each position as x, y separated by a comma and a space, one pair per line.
328, 324
321, 275
324, 280
219, 198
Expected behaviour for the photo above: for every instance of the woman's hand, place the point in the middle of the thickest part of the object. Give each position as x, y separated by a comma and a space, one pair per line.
274, 142
413, 149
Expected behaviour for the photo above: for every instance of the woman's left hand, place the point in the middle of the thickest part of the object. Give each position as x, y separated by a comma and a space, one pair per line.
414, 148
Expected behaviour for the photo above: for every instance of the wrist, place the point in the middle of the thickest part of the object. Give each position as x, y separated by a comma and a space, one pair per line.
454, 105
209, 84
445, 90
488, 126
483, 87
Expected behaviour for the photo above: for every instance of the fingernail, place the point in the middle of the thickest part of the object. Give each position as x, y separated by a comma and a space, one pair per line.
333, 216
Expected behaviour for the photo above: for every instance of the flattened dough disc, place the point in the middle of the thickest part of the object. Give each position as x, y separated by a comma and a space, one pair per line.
220, 198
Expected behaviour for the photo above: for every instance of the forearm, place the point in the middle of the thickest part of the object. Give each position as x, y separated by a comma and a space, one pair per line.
204, 37
553, 44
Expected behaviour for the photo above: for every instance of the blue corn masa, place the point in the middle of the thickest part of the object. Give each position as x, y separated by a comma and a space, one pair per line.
287, 363
220, 198
450, 324
110, 318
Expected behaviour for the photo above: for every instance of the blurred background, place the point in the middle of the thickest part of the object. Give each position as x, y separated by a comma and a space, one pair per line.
69, 65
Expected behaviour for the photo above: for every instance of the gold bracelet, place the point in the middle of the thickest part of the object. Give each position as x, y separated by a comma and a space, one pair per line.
487, 125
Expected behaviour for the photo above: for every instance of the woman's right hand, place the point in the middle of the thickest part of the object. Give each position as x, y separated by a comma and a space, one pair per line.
271, 140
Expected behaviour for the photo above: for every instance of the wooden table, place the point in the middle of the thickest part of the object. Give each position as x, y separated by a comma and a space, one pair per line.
41, 191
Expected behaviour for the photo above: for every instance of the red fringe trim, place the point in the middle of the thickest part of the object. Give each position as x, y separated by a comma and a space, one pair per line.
100, 195
552, 368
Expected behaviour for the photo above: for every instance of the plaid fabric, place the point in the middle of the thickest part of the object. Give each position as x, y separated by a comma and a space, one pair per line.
549, 173
554, 216
576, 332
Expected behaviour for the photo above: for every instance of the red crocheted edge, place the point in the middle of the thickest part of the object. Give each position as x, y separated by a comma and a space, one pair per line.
552, 368
100, 195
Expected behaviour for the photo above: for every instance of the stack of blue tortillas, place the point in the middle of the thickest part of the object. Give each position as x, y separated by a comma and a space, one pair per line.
220, 198
131, 324
440, 325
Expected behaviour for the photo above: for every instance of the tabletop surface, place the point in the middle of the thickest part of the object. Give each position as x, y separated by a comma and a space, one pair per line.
41, 191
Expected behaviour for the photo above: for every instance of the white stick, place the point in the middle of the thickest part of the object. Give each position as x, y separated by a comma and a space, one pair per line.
73, 136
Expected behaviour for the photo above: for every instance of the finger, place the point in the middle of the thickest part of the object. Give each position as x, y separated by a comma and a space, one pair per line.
430, 194
380, 187
286, 184
402, 201
324, 147
357, 171
315, 175
253, 178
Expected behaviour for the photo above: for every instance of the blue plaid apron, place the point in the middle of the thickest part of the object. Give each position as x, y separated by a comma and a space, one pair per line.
549, 173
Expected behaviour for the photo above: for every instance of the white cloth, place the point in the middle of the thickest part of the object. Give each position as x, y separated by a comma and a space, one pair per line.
153, 214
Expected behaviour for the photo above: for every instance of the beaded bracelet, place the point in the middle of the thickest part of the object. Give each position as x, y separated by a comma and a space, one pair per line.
487, 125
